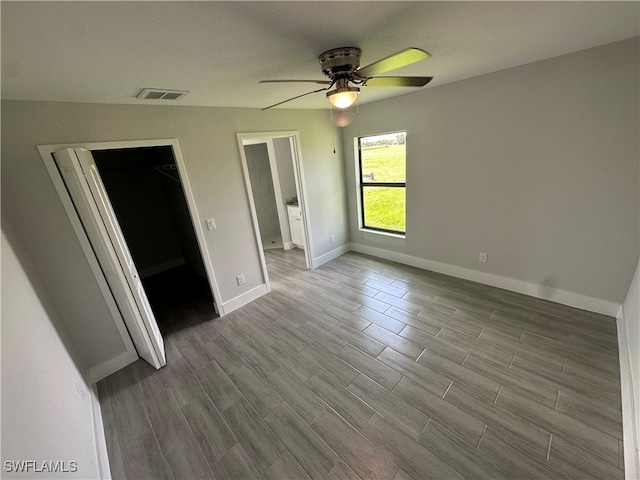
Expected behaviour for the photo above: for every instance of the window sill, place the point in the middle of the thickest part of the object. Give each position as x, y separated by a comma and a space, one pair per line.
384, 234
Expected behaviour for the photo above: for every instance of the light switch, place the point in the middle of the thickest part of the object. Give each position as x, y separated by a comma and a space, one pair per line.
211, 224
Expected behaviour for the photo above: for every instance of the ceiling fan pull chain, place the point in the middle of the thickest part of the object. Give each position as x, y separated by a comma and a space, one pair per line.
333, 137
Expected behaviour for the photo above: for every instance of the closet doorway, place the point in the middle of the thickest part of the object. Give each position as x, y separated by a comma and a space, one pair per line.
147, 196
133, 211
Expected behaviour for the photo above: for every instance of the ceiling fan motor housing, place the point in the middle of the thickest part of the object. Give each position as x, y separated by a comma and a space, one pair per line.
340, 62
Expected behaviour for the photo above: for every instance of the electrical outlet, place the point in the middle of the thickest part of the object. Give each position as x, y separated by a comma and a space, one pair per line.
333, 238
482, 257
240, 279
211, 223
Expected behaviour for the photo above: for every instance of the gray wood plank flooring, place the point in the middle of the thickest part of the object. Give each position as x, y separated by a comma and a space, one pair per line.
367, 369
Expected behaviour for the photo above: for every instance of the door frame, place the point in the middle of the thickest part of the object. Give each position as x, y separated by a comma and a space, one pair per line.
46, 152
298, 172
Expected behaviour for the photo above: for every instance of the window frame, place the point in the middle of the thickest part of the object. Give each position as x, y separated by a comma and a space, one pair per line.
362, 184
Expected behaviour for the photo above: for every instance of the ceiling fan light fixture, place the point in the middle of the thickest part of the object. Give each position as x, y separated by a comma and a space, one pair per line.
342, 66
343, 97
344, 116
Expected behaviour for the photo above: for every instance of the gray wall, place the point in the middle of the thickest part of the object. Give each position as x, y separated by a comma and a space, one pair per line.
209, 146
43, 415
284, 161
536, 165
264, 196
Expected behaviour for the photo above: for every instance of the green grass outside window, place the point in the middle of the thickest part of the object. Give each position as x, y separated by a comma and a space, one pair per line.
384, 207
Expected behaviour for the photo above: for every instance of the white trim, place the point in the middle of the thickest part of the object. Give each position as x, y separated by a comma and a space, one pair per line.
106, 368
161, 267
46, 152
252, 207
301, 189
564, 297
629, 409
98, 432
358, 178
401, 236
77, 167
330, 255
288, 245
198, 226
245, 298
254, 141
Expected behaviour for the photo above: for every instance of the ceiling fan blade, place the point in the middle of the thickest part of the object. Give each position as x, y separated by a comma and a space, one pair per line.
298, 96
397, 60
319, 82
397, 81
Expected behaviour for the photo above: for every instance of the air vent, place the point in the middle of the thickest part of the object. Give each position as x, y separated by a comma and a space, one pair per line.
161, 94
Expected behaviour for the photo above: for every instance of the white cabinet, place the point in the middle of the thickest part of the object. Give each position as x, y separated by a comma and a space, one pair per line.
296, 226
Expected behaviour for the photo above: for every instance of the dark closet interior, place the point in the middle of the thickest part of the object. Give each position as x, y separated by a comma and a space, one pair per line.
146, 193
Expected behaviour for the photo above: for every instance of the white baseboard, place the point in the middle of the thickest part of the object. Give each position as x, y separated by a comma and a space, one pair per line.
98, 433
564, 297
629, 403
327, 257
288, 245
240, 300
161, 267
106, 368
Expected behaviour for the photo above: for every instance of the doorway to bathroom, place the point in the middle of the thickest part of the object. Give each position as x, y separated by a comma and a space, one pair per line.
275, 187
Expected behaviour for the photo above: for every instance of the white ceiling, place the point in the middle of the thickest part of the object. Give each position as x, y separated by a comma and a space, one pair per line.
108, 51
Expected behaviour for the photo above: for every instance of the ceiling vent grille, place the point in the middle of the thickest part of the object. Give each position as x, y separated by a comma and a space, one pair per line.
161, 94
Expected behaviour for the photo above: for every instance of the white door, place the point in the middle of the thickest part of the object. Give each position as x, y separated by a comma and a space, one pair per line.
81, 177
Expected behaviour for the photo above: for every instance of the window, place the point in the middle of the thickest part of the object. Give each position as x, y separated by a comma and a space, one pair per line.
382, 182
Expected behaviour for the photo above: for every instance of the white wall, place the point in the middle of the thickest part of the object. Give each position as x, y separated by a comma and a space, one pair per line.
209, 147
632, 318
629, 328
43, 415
535, 165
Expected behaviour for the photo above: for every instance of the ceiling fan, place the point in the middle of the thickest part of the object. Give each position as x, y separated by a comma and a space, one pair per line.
342, 66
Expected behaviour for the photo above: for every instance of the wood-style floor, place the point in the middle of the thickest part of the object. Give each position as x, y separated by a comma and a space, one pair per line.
366, 369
